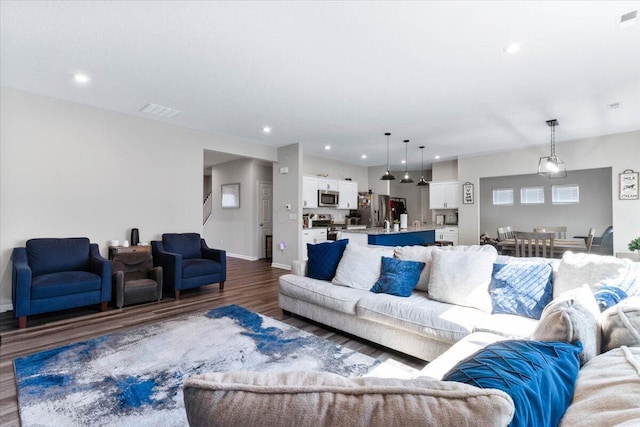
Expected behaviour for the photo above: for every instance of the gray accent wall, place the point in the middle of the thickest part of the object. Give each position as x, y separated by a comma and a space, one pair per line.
593, 210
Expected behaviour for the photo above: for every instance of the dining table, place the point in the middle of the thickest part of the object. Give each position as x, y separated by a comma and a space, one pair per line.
559, 246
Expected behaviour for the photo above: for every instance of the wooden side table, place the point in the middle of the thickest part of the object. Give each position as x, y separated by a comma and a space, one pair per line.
128, 249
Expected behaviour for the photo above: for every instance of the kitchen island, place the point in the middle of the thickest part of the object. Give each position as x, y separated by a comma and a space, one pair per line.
381, 237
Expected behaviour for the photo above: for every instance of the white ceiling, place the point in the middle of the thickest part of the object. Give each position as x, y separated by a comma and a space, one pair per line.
340, 73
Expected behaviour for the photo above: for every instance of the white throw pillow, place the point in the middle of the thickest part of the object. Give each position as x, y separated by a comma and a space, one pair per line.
462, 278
580, 269
360, 266
572, 317
424, 254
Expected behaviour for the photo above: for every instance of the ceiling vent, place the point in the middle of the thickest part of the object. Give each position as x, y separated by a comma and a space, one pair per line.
160, 111
628, 19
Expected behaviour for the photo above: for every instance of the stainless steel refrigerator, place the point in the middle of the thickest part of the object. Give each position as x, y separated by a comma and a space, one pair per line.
373, 209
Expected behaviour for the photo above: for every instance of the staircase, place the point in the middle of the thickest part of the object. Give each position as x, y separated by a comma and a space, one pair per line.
207, 207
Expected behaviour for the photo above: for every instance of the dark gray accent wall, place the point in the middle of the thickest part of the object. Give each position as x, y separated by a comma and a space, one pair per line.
594, 210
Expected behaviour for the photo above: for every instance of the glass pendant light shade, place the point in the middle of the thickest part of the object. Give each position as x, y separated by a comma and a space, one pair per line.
387, 176
552, 166
407, 179
422, 182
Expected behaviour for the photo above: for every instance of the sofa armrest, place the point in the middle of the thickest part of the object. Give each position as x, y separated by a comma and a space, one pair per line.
171, 265
299, 267
218, 255
117, 279
21, 282
156, 274
102, 267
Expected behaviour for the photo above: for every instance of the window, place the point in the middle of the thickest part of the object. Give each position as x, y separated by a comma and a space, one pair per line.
532, 195
565, 194
503, 196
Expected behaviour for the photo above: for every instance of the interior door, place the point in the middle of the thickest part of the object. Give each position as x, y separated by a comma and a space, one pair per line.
265, 220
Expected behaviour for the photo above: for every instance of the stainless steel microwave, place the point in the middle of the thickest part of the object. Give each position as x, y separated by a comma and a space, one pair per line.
328, 198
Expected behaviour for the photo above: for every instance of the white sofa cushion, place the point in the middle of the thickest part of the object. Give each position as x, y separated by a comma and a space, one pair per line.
459, 351
580, 269
607, 391
321, 292
360, 266
417, 314
462, 278
507, 325
271, 399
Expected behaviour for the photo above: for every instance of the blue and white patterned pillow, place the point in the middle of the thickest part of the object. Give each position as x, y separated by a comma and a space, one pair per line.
523, 289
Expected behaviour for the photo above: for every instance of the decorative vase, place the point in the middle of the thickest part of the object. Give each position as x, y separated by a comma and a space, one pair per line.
135, 237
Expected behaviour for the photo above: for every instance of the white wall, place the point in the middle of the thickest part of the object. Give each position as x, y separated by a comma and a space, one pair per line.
287, 189
313, 165
72, 170
618, 151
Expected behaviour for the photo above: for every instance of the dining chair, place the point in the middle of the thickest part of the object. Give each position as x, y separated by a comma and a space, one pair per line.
505, 233
589, 240
534, 244
561, 231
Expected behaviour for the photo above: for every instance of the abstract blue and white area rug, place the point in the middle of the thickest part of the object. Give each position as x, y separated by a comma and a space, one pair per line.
135, 378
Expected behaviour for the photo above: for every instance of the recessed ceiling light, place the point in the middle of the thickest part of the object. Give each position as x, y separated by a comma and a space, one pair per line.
403, 162
437, 157
327, 147
81, 78
512, 48
266, 129
364, 156
629, 19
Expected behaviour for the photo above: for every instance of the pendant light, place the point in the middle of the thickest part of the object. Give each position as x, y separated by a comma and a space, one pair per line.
406, 179
422, 182
551, 166
387, 176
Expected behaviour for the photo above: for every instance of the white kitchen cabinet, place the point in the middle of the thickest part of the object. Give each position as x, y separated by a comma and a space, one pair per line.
348, 198
449, 233
309, 192
312, 235
443, 195
327, 184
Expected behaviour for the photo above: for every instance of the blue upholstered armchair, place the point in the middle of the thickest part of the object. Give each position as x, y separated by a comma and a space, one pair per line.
187, 262
57, 274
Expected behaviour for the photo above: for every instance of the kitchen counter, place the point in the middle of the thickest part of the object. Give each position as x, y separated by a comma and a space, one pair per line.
404, 237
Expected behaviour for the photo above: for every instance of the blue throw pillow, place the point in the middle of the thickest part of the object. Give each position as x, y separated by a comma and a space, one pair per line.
324, 259
521, 288
539, 376
608, 296
398, 277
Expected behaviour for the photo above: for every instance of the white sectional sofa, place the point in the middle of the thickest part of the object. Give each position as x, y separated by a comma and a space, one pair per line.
574, 366
418, 326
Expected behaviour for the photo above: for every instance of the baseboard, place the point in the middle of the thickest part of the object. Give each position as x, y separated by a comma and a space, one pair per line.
6, 307
245, 257
282, 266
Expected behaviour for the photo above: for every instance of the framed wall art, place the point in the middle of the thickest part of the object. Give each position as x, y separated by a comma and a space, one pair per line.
629, 185
467, 193
230, 196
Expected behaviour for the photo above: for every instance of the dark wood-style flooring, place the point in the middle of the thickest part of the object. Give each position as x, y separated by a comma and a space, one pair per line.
251, 284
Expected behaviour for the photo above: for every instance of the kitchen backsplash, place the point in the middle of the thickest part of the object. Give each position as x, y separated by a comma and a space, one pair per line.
338, 215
